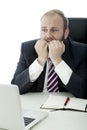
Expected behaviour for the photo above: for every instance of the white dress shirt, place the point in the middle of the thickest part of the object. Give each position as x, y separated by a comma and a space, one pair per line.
62, 69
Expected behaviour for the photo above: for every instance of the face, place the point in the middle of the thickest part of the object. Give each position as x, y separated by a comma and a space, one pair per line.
52, 28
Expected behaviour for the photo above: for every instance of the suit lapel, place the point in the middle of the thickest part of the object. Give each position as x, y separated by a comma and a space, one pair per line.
68, 56
41, 80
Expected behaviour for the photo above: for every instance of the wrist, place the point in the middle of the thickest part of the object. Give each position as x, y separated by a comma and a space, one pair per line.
41, 61
56, 62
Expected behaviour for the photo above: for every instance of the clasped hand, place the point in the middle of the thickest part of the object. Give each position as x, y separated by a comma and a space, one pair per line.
53, 49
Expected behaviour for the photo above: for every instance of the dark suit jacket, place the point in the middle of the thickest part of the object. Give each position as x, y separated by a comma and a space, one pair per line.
75, 56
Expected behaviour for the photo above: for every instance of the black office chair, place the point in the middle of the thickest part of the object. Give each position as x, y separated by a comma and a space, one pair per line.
78, 29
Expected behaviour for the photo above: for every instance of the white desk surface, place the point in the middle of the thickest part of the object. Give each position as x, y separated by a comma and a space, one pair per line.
58, 120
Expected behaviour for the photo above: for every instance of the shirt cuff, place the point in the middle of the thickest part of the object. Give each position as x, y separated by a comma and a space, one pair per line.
64, 72
35, 70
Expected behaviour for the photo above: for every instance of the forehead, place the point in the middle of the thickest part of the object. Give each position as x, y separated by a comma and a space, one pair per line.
52, 21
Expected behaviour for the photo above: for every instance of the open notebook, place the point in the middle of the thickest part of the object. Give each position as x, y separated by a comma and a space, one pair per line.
57, 102
11, 115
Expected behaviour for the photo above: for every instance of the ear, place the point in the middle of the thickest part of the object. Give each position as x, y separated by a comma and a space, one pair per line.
66, 33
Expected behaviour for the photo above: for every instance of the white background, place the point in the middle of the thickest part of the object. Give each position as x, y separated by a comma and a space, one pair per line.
20, 21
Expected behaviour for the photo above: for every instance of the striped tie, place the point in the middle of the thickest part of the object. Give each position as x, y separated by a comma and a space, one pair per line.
52, 81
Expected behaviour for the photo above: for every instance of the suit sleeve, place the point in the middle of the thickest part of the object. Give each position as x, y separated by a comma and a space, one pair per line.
78, 80
21, 76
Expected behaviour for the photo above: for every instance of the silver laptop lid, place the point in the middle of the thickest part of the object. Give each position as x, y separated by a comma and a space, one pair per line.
11, 116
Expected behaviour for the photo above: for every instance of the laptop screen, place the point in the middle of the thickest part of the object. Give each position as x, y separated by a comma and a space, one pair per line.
11, 112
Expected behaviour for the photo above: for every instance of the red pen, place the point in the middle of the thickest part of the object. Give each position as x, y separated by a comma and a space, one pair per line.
67, 100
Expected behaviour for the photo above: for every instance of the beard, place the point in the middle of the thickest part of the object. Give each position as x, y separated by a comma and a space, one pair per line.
62, 38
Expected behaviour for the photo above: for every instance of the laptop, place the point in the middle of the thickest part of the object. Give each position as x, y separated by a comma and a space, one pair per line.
12, 117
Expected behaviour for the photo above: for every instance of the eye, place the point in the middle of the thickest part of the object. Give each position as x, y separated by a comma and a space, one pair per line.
44, 30
54, 30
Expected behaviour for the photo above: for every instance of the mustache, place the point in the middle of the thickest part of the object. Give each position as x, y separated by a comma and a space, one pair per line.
49, 39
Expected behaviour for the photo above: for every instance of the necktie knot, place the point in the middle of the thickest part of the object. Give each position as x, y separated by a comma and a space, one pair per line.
50, 64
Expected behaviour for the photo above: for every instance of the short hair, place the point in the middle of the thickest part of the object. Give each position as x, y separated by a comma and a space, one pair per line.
59, 12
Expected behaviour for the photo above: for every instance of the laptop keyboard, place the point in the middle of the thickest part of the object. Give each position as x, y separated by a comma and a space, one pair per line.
28, 120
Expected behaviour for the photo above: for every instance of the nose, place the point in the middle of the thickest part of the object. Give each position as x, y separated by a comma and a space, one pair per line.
48, 36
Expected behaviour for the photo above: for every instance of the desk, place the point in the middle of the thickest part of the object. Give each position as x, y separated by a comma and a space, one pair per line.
58, 120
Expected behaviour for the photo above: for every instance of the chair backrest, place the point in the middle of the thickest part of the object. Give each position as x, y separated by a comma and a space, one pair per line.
78, 29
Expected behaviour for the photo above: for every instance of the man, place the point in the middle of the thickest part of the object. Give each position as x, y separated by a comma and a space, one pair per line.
68, 57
